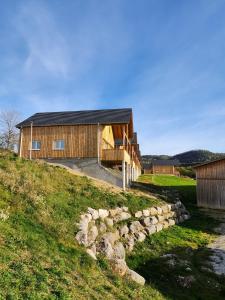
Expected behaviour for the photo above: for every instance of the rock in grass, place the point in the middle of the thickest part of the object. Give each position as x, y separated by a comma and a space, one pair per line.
103, 213
135, 227
146, 212
119, 266
159, 227
123, 230
92, 234
150, 229
91, 253
140, 236
122, 216
109, 221
94, 213
119, 251
153, 211
132, 275
138, 214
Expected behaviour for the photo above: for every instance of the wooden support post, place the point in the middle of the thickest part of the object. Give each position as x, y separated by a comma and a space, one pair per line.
124, 174
123, 137
21, 142
31, 138
98, 143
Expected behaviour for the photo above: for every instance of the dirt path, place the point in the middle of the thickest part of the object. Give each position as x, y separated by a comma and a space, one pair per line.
217, 259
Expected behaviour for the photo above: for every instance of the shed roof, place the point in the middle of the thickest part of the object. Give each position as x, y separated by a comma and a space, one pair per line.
210, 162
104, 116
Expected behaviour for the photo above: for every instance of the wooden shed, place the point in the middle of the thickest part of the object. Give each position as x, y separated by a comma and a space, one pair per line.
211, 184
162, 167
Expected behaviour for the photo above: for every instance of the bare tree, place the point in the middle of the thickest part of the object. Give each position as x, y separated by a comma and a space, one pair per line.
8, 132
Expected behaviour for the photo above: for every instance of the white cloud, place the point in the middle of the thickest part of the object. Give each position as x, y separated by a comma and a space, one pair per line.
46, 47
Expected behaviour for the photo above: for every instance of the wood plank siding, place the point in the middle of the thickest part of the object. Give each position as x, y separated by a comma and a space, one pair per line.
115, 155
211, 185
80, 141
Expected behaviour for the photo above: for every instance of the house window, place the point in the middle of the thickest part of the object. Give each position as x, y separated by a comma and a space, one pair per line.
36, 145
58, 145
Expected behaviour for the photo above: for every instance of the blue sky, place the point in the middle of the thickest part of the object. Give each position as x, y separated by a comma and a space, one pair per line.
163, 58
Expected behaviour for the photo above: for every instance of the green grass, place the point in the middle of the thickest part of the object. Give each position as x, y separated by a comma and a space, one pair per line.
39, 256
167, 180
187, 241
40, 259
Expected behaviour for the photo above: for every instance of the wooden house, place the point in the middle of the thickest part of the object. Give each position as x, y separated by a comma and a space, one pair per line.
83, 134
162, 167
211, 184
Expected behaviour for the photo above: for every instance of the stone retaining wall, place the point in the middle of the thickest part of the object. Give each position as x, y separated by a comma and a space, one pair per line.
113, 232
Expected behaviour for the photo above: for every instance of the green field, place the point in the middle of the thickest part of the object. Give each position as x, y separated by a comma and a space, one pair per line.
40, 259
167, 180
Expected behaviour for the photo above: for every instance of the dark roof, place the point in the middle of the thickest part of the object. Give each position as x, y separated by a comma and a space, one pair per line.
104, 116
164, 162
209, 162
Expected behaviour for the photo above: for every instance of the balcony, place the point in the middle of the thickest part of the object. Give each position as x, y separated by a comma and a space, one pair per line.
115, 155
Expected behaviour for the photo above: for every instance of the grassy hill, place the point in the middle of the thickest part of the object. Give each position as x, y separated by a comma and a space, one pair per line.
187, 158
39, 257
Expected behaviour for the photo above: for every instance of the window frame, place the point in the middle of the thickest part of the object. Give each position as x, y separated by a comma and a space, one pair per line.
58, 148
37, 142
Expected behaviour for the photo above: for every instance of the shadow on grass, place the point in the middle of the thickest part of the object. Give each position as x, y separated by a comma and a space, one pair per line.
184, 275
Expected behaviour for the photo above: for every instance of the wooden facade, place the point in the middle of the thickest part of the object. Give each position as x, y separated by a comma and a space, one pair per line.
162, 167
83, 134
211, 184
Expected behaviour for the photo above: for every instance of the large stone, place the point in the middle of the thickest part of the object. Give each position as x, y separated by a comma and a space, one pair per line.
103, 213
109, 222
140, 236
122, 216
112, 237
165, 224
138, 214
84, 222
106, 248
94, 213
146, 212
125, 208
171, 222
153, 211
159, 227
186, 216
102, 227
119, 251
92, 234
160, 218
123, 230
165, 209
82, 239
135, 227
91, 253
130, 243
159, 210
153, 220
115, 211
150, 229
119, 266
146, 221
132, 275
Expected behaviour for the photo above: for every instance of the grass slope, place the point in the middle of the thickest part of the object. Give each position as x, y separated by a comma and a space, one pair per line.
186, 241
39, 257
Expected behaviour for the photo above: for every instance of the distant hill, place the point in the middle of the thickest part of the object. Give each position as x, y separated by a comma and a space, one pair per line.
192, 157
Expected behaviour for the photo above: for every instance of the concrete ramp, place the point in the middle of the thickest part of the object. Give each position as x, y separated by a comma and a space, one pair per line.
90, 167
